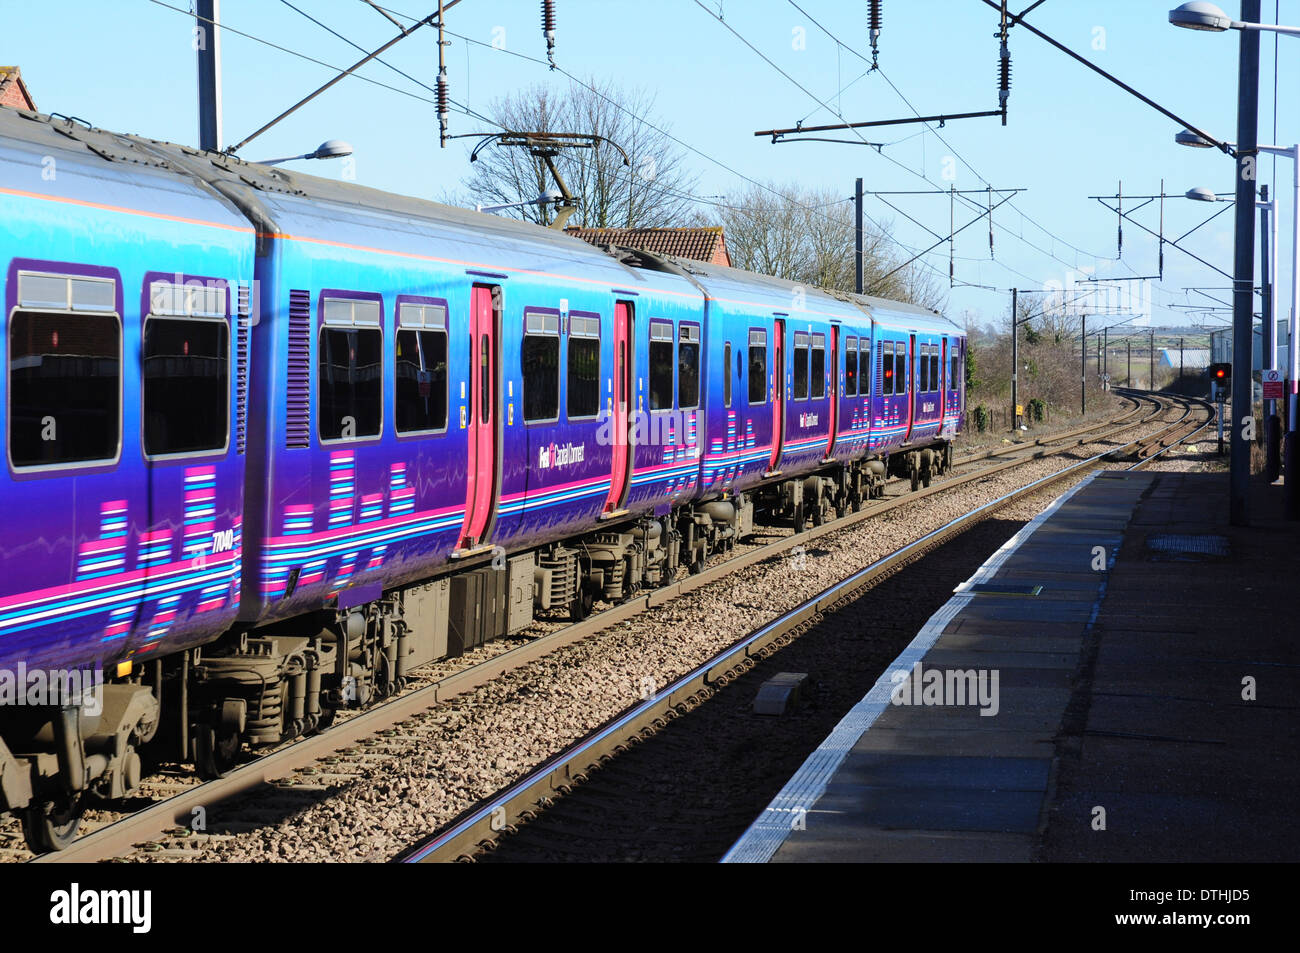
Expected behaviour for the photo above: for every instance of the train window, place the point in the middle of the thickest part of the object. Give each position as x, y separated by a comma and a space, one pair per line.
886, 368
421, 368
421, 380
758, 367
349, 398
818, 375
661, 366
934, 367
800, 389
688, 367
64, 387
900, 368
851, 367
541, 366
726, 374
924, 384
485, 370
583, 398
186, 380
954, 380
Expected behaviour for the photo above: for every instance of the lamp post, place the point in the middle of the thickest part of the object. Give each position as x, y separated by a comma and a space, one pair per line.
1200, 15
329, 149
1268, 254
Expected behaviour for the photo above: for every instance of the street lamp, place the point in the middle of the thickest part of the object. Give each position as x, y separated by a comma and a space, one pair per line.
1189, 138
1200, 15
1206, 16
329, 149
1268, 276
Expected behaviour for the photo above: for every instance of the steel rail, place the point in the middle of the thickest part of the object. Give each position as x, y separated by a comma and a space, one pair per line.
480, 825
152, 822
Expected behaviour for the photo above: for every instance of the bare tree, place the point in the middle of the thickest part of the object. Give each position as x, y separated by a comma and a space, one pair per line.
807, 235
651, 191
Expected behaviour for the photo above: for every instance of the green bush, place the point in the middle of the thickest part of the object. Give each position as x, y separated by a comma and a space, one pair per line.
982, 418
1037, 410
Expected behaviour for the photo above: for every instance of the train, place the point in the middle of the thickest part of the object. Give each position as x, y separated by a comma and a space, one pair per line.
273, 441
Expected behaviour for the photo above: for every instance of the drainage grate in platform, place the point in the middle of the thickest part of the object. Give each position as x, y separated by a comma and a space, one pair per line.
1174, 548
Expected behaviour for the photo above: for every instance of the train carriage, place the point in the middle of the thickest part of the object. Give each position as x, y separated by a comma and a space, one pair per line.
273, 440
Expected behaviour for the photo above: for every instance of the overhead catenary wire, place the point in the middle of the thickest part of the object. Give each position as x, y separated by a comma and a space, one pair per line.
226, 28
693, 149
1026, 217
929, 128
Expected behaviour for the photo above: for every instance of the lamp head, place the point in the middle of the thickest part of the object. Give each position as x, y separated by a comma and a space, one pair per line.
332, 149
1201, 195
1189, 138
1199, 15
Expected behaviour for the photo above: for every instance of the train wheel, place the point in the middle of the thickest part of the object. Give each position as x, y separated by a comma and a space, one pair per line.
326, 719
581, 605
916, 480
215, 754
48, 826
798, 517
925, 478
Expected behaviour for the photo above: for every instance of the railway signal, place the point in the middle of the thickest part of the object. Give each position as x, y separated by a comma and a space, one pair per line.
1221, 375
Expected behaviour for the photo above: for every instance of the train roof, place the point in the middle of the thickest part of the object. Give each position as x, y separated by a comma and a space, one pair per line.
273, 197
710, 276
267, 194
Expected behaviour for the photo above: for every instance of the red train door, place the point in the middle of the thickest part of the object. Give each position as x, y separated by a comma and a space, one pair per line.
944, 374
778, 392
834, 391
622, 462
482, 413
913, 391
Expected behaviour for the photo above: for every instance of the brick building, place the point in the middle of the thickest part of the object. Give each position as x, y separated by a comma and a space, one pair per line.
13, 91
699, 244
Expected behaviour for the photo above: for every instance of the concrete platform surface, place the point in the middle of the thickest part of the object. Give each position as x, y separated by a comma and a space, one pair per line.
1121, 681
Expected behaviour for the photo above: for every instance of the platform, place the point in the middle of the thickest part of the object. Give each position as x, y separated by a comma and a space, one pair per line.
1141, 674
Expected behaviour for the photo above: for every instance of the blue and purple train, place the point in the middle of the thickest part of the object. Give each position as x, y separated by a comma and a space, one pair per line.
273, 440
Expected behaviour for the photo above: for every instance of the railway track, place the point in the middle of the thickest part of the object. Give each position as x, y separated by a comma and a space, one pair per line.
302, 772
515, 807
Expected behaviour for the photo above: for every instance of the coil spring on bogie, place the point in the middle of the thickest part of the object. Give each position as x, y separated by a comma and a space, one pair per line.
614, 575
563, 566
265, 712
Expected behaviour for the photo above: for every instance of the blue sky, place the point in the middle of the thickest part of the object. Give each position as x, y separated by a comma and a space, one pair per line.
129, 66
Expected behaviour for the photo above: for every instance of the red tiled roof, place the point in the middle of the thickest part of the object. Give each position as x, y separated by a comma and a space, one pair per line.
700, 244
13, 91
